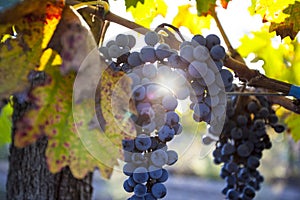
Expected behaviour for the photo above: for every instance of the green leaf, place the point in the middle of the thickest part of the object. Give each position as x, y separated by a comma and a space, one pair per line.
270, 11
144, 14
204, 6
191, 21
5, 124
291, 25
53, 117
22, 46
293, 122
280, 62
129, 3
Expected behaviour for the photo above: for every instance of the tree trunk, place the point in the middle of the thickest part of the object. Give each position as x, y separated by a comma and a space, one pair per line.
29, 177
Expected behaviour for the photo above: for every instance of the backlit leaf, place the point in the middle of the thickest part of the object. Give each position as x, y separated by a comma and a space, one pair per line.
5, 124
115, 104
129, 3
204, 6
270, 11
144, 14
72, 39
291, 25
27, 35
263, 49
53, 116
293, 122
191, 20
224, 3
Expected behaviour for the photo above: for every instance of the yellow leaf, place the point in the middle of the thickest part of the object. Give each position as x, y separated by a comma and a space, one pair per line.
49, 57
280, 62
270, 10
191, 20
144, 14
20, 52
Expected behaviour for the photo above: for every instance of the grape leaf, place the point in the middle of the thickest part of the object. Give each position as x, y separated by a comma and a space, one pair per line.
292, 122
273, 58
53, 117
5, 124
270, 11
144, 14
115, 93
224, 3
192, 21
204, 6
23, 43
291, 25
129, 3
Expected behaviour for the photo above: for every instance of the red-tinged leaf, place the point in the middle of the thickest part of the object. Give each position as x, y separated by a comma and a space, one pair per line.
27, 7
291, 25
204, 6
22, 42
70, 142
224, 3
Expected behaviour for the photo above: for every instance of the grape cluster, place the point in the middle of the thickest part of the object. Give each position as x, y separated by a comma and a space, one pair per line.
195, 71
209, 80
145, 157
241, 145
161, 76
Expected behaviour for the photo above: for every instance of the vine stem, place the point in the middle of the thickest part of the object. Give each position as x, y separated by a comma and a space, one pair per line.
222, 31
234, 61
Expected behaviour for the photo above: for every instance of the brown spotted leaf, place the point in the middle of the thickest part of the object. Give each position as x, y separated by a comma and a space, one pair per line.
115, 90
24, 34
291, 25
70, 142
72, 39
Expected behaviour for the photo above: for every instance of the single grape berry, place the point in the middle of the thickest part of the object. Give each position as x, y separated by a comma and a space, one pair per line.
212, 40
158, 190
151, 38
140, 175
140, 190
217, 52
127, 187
199, 39
143, 142
279, 128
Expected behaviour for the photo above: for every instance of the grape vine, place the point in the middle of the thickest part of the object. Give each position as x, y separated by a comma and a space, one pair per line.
194, 68
163, 71
242, 142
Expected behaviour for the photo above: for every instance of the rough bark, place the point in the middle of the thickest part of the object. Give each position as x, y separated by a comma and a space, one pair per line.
29, 177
